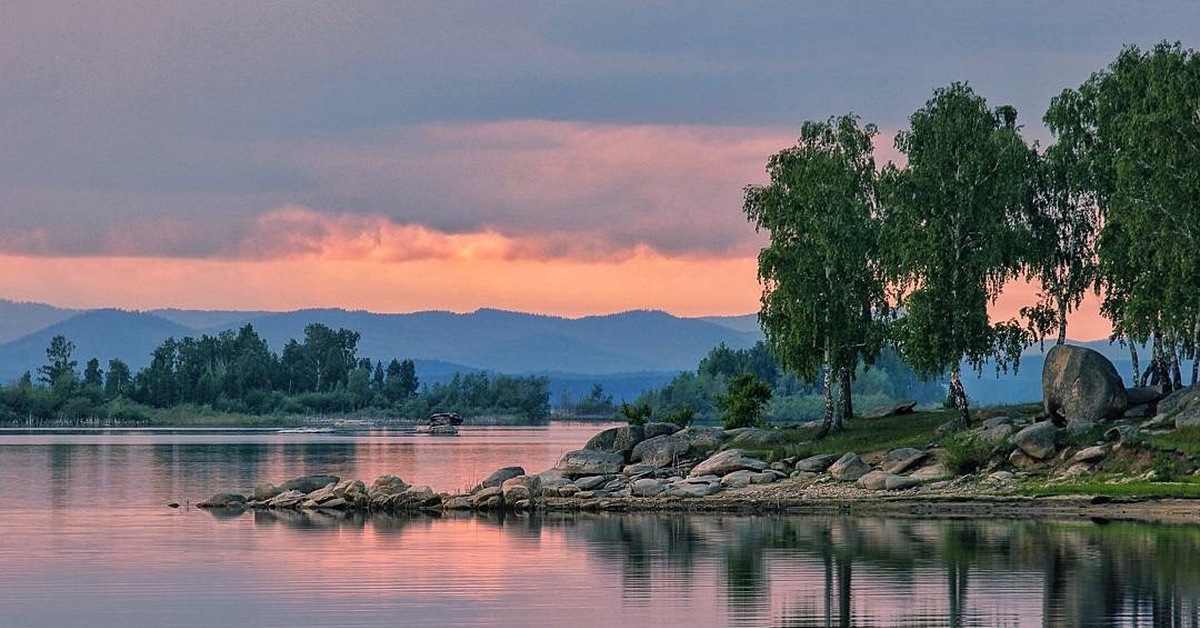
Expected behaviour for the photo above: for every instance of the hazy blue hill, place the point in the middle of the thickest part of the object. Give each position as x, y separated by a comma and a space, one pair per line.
746, 322
204, 319
512, 342
19, 319
102, 334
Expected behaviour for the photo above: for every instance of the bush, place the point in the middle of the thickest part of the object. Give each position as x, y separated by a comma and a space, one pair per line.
637, 413
682, 417
966, 454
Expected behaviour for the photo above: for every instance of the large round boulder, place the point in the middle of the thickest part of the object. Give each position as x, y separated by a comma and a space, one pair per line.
661, 451
583, 462
1081, 386
1038, 441
499, 476
726, 462
618, 440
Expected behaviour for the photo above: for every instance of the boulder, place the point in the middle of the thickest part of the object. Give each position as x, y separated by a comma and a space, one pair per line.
904, 407
353, 491
817, 463
1120, 433
691, 488
702, 440
490, 498
931, 473
1090, 454
265, 490
849, 468
591, 482
647, 487
522, 487
754, 438
739, 479
585, 462
997, 434
661, 451
1038, 440
660, 428
638, 469
620, 440
386, 485
1023, 461
996, 422
1183, 406
499, 476
727, 461
902, 459
1081, 386
287, 499
884, 481
1139, 395
308, 483
224, 500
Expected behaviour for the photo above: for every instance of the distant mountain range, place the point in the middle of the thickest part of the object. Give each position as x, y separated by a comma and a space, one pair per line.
627, 352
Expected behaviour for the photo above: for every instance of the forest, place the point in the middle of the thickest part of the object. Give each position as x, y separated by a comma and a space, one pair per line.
237, 373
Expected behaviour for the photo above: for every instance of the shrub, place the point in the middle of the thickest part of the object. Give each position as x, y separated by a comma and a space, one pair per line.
636, 414
966, 454
682, 417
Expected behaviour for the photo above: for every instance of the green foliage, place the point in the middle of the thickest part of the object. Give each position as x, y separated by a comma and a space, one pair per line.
636, 413
965, 453
822, 289
682, 417
1184, 439
1186, 488
743, 401
912, 430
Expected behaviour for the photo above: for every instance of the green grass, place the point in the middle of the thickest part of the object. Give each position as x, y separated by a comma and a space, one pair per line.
1185, 440
863, 435
1188, 487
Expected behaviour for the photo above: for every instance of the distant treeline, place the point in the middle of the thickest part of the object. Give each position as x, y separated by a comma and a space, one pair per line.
695, 394
238, 373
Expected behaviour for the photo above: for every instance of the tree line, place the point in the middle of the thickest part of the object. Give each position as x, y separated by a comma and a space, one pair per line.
862, 258
237, 372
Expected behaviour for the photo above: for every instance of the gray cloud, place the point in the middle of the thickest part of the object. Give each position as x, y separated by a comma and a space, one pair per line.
171, 128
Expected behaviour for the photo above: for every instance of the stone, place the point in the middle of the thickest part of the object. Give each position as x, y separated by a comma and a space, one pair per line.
489, 498
458, 502
739, 479
265, 490
1038, 440
884, 481
1183, 406
308, 483
337, 503
660, 428
849, 468
386, 485
590, 482
702, 440
816, 464
287, 499
585, 462
620, 440
1001, 477
996, 435
1081, 385
1120, 433
499, 476
1140, 395
725, 462
661, 451
522, 487
879, 412
690, 488
646, 487
417, 497
638, 469
804, 476
224, 500
322, 494
902, 459
931, 473
353, 491
997, 421
1023, 461
754, 438
1090, 454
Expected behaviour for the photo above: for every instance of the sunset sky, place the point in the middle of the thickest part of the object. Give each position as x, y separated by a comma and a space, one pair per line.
565, 158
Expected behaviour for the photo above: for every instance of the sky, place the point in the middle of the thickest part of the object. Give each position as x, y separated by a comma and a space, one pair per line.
565, 158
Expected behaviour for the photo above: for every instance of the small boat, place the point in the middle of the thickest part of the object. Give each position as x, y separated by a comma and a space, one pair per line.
306, 430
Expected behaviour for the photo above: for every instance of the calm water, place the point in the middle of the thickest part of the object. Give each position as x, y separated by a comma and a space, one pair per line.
86, 540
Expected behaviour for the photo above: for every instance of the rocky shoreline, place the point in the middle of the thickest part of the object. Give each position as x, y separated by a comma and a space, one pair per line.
664, 468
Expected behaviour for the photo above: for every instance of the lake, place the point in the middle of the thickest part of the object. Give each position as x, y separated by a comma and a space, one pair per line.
87, 539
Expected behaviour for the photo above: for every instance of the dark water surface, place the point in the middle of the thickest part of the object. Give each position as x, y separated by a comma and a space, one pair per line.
86, 539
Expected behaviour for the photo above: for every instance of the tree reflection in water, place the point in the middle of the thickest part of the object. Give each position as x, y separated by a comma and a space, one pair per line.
842, 571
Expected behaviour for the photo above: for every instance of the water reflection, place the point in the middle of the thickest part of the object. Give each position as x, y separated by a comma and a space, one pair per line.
834, 571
